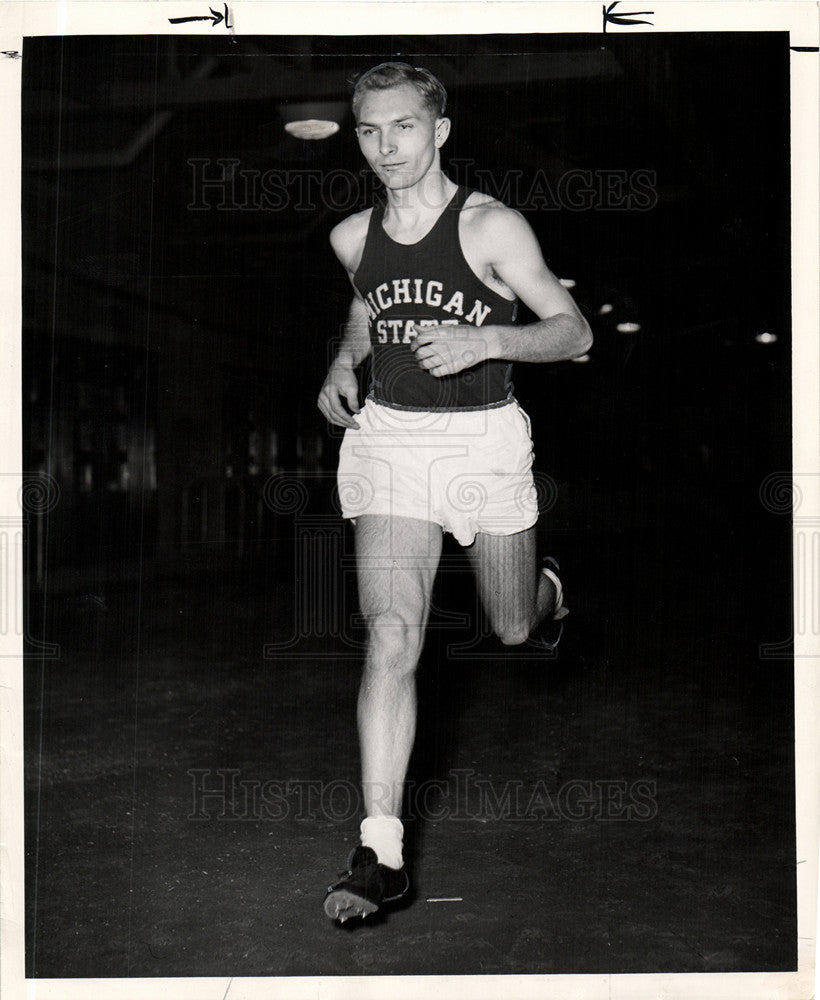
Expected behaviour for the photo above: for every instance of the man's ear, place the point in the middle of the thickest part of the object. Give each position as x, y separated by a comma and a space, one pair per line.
442, 131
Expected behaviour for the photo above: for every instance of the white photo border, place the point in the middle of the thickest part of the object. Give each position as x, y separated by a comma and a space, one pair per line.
23, 18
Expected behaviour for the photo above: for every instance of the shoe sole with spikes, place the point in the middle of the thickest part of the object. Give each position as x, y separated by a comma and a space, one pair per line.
365, 887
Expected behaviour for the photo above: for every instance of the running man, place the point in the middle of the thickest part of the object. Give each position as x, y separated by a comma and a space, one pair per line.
440, 443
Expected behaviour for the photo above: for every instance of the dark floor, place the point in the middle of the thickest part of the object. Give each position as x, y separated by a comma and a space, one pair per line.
628, 808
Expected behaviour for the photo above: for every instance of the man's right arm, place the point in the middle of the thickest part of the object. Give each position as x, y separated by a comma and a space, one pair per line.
342, 382
347, 240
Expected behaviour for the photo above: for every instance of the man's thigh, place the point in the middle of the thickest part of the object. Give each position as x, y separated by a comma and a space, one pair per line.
396, 562
506, 578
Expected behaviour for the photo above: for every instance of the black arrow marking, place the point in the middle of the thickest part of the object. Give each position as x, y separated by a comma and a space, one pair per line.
621, 16
214, 16
184, 20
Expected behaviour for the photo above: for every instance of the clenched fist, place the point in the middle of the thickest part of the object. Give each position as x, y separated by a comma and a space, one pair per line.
447, 349
341, 383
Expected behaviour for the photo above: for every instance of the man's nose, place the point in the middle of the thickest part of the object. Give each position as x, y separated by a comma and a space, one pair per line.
386, 143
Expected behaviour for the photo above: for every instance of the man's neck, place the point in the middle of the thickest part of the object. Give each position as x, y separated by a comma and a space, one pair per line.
411, 208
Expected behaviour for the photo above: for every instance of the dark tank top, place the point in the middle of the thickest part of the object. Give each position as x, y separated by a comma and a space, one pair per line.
405, 287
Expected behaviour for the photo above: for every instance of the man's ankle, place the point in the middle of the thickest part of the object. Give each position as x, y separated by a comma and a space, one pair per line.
384, 835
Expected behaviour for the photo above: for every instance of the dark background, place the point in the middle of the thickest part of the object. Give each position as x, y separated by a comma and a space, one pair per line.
175, 339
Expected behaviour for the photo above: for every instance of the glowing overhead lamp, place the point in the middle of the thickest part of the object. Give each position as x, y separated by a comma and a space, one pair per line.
313, 119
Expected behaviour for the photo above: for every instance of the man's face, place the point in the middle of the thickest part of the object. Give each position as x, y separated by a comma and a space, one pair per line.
398, 135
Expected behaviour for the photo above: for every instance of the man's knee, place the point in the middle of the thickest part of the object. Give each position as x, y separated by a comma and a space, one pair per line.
513, 633
395, 642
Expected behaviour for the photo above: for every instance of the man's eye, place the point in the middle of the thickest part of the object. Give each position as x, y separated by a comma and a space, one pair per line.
405, 125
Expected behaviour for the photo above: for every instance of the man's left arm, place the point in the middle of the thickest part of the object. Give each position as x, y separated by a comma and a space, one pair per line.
559, 333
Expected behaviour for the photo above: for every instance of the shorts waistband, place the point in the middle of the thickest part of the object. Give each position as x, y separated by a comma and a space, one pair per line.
442, 409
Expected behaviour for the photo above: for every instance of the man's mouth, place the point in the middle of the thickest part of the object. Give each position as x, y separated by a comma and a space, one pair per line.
391, 166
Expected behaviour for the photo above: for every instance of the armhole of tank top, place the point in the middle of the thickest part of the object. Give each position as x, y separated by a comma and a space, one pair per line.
464, 198
375, 218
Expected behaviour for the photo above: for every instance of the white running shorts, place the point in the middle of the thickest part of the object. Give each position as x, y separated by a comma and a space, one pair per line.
467, 470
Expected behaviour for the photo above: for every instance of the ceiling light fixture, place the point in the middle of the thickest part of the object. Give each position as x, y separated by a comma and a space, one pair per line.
313, 119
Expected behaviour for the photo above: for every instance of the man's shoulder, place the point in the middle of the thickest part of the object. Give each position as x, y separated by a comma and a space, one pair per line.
488, 219
347, 237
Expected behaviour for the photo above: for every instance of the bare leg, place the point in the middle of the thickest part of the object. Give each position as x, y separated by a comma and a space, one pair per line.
397, 559
514, 595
